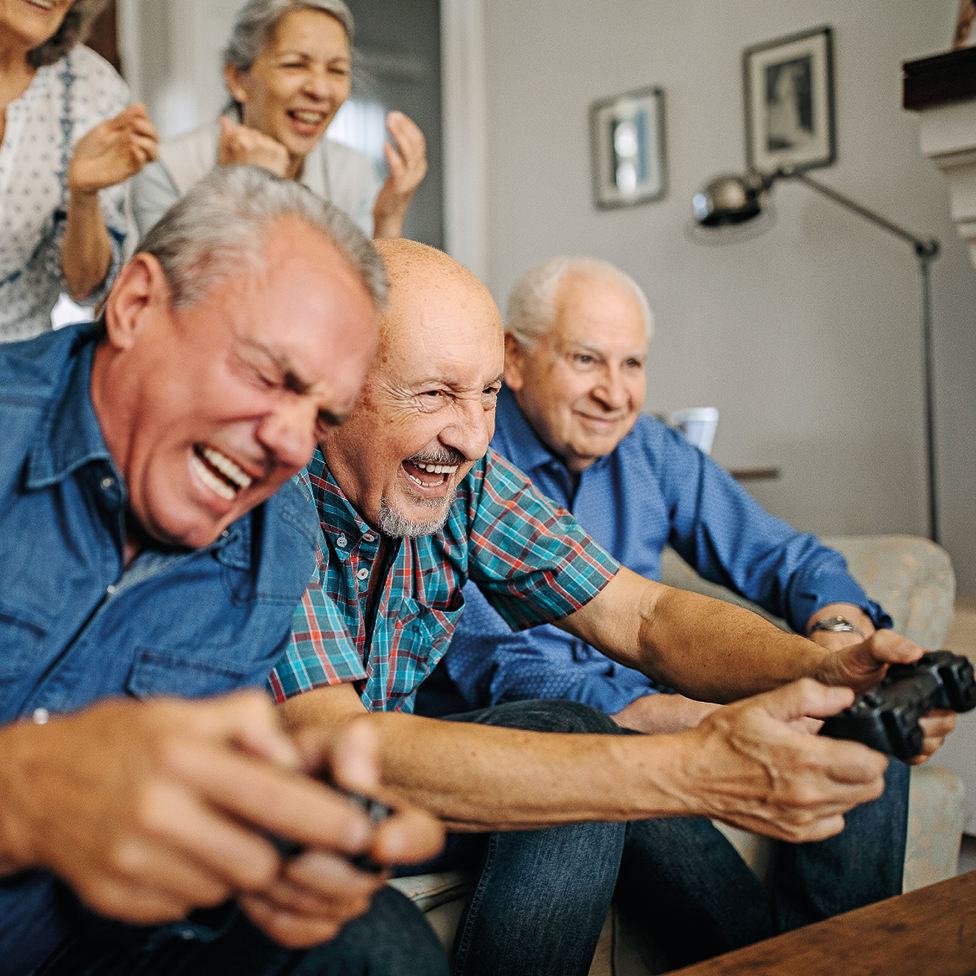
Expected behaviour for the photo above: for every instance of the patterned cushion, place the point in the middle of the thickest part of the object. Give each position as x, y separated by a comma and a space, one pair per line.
910, 577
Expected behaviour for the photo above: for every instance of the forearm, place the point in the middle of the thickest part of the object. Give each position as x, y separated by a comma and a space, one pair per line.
86, 251
388, 224
479, 777
707, 649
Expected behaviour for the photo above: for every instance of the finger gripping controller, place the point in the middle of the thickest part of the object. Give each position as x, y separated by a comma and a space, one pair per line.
887, 717
376, 811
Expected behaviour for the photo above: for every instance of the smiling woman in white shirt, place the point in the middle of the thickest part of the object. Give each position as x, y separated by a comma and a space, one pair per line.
67, 143
288, 70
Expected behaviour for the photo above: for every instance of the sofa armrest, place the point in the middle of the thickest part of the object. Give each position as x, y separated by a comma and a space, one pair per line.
911, 577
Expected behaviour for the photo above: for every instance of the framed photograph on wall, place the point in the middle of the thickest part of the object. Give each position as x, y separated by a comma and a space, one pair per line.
789, 102
627, 148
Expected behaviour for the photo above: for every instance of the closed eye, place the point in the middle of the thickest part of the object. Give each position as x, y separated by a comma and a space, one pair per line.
326, 419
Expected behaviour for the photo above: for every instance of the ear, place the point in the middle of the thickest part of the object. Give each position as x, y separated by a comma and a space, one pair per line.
514, 358
235, 79
140, 290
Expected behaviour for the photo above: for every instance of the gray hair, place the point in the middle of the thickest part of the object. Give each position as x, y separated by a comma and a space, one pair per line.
218, 229
534, 301
74, 30
257, 21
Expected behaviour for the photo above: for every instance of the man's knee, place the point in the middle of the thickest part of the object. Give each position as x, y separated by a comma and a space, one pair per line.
544, 715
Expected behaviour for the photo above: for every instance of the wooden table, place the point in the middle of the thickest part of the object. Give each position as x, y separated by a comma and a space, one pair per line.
928, 932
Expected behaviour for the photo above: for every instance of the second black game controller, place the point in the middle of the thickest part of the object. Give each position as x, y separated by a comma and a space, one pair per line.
376, 811
887, 717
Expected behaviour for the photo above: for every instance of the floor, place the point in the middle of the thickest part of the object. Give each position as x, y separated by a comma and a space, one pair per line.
962, 640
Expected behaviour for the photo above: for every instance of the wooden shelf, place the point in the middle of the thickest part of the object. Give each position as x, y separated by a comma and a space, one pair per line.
939, 79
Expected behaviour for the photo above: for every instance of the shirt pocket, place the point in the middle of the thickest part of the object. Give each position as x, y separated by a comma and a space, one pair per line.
24, 633
196, 672
421, 635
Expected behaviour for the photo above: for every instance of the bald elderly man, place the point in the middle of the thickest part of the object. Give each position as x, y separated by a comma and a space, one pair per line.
412, 504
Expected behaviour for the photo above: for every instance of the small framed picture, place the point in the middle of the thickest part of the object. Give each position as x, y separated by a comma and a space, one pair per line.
789, 102
627, 148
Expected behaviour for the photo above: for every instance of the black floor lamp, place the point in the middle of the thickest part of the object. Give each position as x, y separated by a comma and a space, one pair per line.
731, 200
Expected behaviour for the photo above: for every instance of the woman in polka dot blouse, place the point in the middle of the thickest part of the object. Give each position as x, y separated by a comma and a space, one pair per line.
67, 143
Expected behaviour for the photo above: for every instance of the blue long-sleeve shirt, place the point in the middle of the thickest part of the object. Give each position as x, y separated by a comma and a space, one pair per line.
655, 489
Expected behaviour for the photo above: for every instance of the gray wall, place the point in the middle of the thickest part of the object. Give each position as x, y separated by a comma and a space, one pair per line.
807, 338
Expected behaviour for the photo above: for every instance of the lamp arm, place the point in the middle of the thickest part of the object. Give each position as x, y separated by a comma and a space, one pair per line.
927, 247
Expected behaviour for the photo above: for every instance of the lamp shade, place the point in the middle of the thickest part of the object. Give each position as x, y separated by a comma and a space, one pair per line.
725, 201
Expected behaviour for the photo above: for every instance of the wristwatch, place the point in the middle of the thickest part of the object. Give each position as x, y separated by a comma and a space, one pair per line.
835, 625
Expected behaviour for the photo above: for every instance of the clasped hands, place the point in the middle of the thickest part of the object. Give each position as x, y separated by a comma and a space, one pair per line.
149, 810
406, 158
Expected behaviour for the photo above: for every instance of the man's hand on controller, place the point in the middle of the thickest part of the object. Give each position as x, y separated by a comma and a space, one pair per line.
749, 766
151, 809
863, 665
318, 889
143, 807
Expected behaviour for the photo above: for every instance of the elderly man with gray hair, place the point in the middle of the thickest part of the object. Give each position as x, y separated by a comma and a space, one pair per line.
154, 550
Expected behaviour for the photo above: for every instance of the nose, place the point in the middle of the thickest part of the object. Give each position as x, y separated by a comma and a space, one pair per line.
611, 391
317, 83
288, 433
472, 429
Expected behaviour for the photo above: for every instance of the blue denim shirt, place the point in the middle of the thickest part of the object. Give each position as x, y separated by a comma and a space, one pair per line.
653, 490
76, 625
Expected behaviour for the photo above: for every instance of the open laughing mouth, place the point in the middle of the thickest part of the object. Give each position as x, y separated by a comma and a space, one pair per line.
308, 118
43, 4
429, 475
219, 473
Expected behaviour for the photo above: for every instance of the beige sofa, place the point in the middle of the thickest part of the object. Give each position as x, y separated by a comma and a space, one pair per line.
913, 579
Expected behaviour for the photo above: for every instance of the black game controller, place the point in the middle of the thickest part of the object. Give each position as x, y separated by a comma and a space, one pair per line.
887, 717
377, 812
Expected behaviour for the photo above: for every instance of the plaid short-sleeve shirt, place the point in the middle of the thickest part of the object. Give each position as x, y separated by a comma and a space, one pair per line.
531, 559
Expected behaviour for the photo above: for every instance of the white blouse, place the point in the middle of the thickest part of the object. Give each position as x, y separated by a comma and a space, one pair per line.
64, 102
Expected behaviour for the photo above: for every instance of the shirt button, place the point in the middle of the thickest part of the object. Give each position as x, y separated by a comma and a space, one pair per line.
369, 537
342, 542
110, 589
362, 574
108, 483
41, 715
187, 934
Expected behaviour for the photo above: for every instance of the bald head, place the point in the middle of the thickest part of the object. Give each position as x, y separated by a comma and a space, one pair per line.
422, 279
427, 409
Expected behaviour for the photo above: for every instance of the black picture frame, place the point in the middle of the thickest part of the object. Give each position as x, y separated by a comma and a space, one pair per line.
788, 89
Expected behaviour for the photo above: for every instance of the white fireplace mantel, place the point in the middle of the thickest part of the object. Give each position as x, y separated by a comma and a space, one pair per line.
942, 91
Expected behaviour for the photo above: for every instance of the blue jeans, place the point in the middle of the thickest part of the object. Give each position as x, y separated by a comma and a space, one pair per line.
391, 939
542, 895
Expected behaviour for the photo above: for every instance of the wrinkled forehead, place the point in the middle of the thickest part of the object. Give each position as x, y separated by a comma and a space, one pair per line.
439, 313
599, 310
